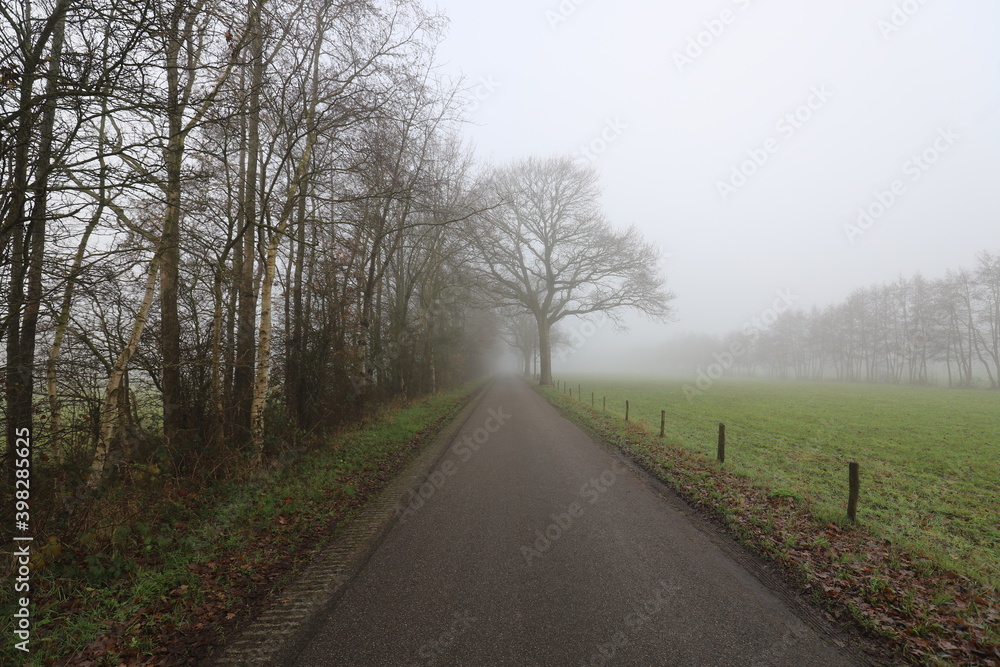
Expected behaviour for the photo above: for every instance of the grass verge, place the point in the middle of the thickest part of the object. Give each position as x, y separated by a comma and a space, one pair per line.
193, 566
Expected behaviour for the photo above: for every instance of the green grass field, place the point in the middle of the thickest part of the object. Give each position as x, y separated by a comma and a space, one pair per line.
930, 470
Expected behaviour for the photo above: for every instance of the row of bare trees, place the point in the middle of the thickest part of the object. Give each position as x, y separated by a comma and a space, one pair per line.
220, 218
219, 215
913, 331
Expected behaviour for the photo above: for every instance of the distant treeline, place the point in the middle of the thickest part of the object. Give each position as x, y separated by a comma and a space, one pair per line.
914, 331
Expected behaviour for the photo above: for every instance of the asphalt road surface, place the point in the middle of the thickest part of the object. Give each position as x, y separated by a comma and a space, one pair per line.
532, 545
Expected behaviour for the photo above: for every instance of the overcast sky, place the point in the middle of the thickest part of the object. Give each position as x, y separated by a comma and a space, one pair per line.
743, 136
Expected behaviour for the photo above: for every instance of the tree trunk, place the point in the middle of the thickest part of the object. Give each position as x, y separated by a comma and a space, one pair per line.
218, 430
109, 411
245, 344
62, 322
28, 233
294, 321
544, 350
62, 319
262, 378
259, 397
295, 190
170, 329
18, 376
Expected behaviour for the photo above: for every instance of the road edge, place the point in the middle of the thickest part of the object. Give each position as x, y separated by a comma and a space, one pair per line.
287, 622
844, 637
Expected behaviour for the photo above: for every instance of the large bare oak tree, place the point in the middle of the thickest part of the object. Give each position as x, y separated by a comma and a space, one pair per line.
547, 248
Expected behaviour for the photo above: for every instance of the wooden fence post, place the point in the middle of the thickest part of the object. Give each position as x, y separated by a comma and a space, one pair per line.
721, 455
663, 421
852, 498
626, 410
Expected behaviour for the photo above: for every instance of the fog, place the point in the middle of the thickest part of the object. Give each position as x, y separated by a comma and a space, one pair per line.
805, 149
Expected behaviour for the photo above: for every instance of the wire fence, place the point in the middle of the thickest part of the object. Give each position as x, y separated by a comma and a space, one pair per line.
724, 432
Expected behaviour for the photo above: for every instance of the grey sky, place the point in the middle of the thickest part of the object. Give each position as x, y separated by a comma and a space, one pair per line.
554, 77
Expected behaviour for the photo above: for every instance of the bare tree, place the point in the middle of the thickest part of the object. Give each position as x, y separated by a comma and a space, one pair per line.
548, 249
988, 334
899, 332
520, 331
31, 51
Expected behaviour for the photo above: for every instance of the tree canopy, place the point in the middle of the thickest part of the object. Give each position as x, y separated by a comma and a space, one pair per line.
547, 249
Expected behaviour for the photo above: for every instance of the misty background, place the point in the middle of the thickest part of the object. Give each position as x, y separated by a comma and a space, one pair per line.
670, 100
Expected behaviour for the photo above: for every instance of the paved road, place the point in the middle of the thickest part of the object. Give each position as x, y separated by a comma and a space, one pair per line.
536, 546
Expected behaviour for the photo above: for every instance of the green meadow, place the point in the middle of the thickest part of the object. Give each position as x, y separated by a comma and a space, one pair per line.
930, 470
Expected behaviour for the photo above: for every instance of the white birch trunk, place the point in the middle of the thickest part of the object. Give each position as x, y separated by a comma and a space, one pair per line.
262, 377
109, 409
263, 372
